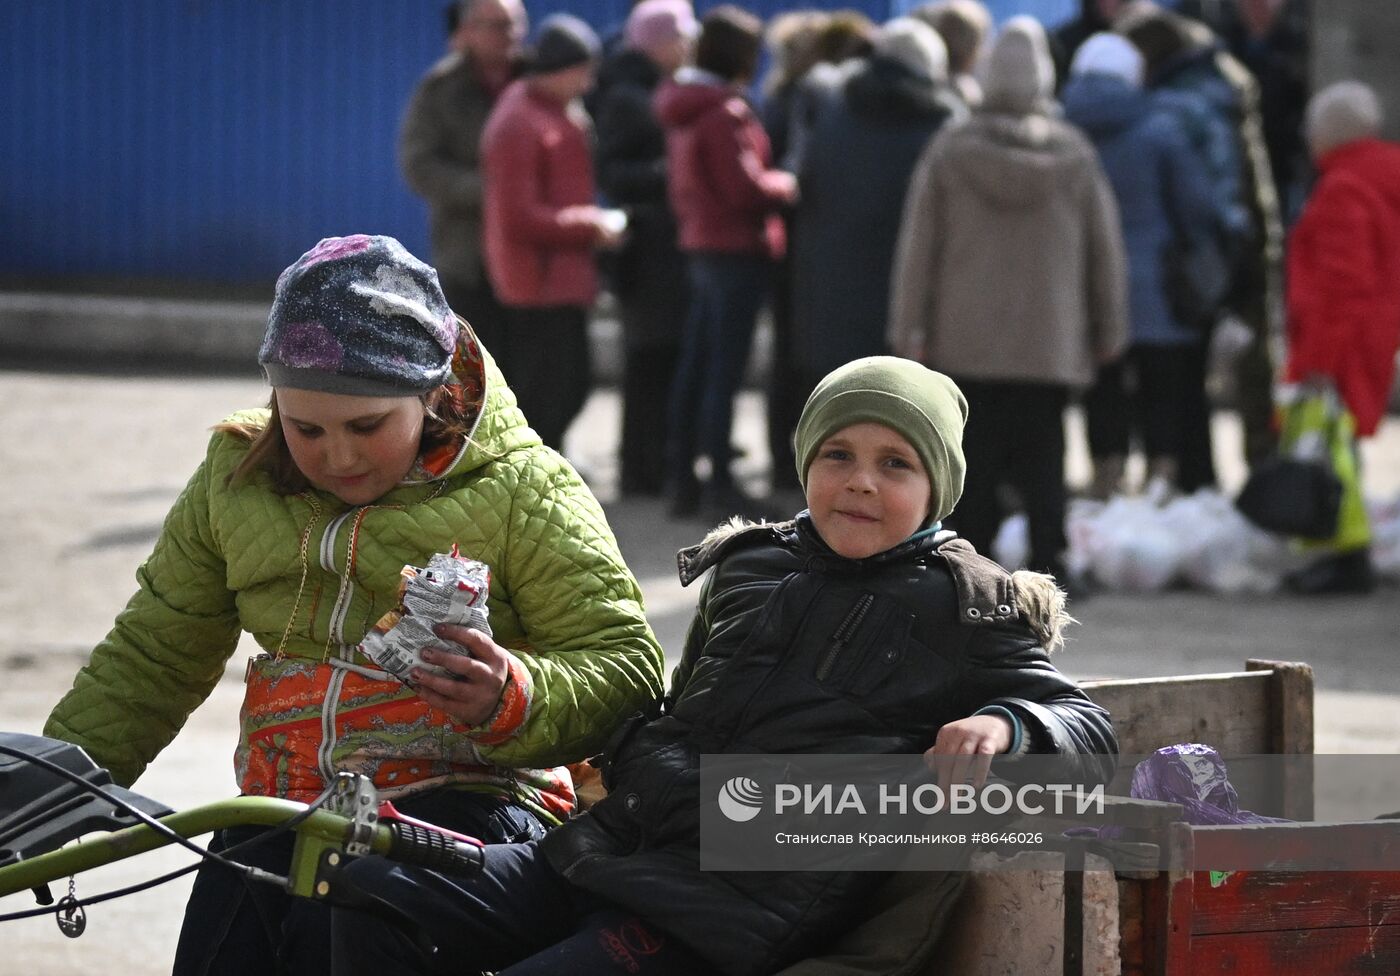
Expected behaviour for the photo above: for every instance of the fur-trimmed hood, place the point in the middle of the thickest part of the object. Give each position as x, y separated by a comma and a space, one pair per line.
987, 592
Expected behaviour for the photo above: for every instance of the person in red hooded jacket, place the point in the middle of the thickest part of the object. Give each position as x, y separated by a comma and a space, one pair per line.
1344, 281
726, 196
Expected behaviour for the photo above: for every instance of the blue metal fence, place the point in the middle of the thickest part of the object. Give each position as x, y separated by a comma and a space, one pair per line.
218, 139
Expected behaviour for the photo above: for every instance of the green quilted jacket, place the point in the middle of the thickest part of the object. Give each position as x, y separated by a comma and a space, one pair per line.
308, 575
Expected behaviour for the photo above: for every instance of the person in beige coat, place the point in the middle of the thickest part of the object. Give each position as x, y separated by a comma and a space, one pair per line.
1010, 276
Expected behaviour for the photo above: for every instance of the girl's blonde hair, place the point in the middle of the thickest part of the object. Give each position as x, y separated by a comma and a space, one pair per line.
446, 419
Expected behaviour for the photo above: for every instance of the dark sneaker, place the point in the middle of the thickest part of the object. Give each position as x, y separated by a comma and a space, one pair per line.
683, 499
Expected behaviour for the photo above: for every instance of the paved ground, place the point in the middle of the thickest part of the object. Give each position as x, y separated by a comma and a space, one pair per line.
88, 466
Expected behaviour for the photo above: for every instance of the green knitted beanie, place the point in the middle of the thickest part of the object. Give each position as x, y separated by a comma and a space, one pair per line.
926, 408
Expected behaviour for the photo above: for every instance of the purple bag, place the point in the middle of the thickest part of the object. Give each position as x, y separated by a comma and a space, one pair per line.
1194, 776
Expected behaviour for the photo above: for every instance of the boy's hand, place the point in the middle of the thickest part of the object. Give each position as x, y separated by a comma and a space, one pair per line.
964, 749
472, 696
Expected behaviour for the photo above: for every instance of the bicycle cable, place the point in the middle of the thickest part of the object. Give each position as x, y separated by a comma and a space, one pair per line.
160, 828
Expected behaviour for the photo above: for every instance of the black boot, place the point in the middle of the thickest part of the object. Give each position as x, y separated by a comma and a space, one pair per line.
722, 499
1348, 572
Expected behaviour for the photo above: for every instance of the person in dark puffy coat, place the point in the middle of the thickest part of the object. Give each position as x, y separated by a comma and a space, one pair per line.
1164, 197
727, 196
1344, 283
862, 149
1217, 101
648, 272
947, 655
803, 46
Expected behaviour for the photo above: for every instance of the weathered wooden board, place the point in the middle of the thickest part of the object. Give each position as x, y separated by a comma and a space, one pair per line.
1228, 711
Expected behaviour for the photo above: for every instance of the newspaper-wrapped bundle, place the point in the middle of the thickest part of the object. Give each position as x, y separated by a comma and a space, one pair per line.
451, 589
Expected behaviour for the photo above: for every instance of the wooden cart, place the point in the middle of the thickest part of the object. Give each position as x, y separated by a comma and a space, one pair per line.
1198, 922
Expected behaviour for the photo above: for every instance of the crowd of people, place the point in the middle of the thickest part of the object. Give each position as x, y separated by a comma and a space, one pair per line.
1048, 217
899, 193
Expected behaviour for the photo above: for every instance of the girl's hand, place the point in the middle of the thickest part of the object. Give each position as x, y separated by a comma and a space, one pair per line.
964, 749
480, 675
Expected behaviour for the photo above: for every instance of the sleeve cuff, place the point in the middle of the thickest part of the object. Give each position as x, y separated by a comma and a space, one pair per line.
1020, 742
512, 710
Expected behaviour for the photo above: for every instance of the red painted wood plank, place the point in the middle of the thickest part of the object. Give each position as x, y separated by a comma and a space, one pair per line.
1262, 901
1365, 846
1352, 951
1167, 910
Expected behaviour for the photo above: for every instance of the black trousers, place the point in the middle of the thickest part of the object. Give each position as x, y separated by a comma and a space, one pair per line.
1195, 466
550, 366
647, 374
788, 384
478, 304
1153, 392
726, 293
1015, 437
519, 917
234, 927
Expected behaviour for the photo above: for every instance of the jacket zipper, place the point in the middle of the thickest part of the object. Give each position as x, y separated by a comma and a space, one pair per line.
336, 626
843, 634
325, 753
347, 587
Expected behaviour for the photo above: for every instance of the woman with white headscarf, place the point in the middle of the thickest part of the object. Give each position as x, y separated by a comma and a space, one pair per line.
1009, 276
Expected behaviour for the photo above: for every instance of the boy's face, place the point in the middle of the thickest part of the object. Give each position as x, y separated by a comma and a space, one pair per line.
867, 490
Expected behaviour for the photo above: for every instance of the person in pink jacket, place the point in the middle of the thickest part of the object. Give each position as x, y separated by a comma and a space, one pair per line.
726, 196
1344, 282
542, 225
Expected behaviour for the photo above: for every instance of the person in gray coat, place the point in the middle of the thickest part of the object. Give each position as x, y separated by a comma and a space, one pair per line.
439, 153
861, 152
1010, 276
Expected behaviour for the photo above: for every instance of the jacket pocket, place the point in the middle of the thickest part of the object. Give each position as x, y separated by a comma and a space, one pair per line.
842, 638
867, 650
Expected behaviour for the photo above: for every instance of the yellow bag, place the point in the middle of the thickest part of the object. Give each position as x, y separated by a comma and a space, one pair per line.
1315, 424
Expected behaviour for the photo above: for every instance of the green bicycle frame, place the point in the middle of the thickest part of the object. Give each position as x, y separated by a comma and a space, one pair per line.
323, 835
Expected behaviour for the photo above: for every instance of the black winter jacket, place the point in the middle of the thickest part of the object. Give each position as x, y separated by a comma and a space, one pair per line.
861, 150
649, 272
795, 649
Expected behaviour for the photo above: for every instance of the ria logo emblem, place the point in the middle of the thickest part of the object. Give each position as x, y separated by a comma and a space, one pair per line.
740, 799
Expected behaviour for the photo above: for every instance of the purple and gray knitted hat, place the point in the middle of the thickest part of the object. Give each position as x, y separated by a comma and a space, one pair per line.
361, 316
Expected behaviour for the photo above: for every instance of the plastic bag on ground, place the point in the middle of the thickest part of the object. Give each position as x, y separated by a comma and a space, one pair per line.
1124, 545
1222, 551
1385, 537
1012, 546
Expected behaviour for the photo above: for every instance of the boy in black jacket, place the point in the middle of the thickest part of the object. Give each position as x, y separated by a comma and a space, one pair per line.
860, 627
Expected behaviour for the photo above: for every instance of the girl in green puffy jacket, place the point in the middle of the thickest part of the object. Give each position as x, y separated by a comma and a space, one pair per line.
391, 438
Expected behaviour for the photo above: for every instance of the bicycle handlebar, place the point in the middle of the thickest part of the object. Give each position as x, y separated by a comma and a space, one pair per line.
407, 842
418, 844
